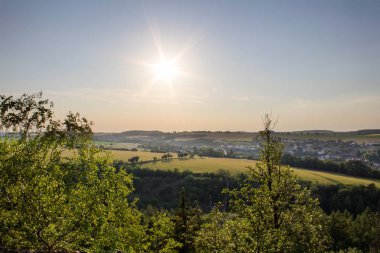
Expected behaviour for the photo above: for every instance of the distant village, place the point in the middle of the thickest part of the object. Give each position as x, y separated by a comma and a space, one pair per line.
323, 145
333, 150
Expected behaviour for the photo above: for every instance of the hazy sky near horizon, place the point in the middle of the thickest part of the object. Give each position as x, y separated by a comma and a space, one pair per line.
313, 64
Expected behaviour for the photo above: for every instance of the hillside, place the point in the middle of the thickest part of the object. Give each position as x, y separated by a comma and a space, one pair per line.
139, 136
234, 166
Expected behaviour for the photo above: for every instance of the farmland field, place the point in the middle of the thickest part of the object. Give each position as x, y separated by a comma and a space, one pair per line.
209, 164
143, 155
110, 144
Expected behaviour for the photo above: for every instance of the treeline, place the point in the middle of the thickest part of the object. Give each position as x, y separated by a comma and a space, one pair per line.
353, 168
160, 188
355, 234
351, 211
352, 198
212, 152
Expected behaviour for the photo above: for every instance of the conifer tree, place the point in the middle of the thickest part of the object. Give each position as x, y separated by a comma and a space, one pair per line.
187, 223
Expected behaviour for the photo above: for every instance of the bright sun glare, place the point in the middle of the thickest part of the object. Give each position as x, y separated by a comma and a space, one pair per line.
165, 70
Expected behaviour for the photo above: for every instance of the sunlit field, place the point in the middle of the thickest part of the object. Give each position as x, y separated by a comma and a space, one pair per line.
143, 155
209, 164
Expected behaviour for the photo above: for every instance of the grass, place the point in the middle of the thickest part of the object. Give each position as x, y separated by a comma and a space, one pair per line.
144, 155
109, 144
235, 166
333, 178
207, 164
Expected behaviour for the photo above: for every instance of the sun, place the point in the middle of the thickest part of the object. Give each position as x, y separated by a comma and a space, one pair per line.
165, 70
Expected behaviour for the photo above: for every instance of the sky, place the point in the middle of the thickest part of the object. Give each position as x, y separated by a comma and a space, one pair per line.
311, 64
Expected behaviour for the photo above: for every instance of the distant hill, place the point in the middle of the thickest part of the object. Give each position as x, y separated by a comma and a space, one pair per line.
142, 136
367, 131
156, 132
310, 132
142, 132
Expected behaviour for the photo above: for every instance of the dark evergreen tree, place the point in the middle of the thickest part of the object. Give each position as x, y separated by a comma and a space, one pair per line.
187, 221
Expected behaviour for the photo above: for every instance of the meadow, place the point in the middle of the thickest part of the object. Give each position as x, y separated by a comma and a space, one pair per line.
143, 155
234, 166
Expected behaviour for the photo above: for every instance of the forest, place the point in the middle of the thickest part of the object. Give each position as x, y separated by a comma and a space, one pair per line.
161, 189
88, 202
353, 168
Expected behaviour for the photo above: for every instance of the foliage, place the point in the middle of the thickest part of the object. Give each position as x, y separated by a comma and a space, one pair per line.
372, 156
222, 232
182, 155
237, 166
187, 221
353, 198
134, 159
166, 157
352, 168
160, 187
322, 174
49, 202
160, 231
361, 233
281, 215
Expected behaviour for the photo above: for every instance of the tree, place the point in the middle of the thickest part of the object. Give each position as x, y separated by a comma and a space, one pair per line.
182, 155
58, 191
283, 216
274, 213
340, 226
134, 160
166, 157
222, 232
187, 222
160, 229
361, 233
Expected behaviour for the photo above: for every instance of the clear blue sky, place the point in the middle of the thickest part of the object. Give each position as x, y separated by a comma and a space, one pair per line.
313, 64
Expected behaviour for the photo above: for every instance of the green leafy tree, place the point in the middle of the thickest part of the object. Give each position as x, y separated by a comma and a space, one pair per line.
366, 227
160, 230
134, 160
274, 213
340, 225
282, 216
361, 233
57, 191
222, 232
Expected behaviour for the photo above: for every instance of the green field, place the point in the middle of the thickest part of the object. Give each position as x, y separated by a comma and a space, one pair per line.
144, 155
110, 144
235, 166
